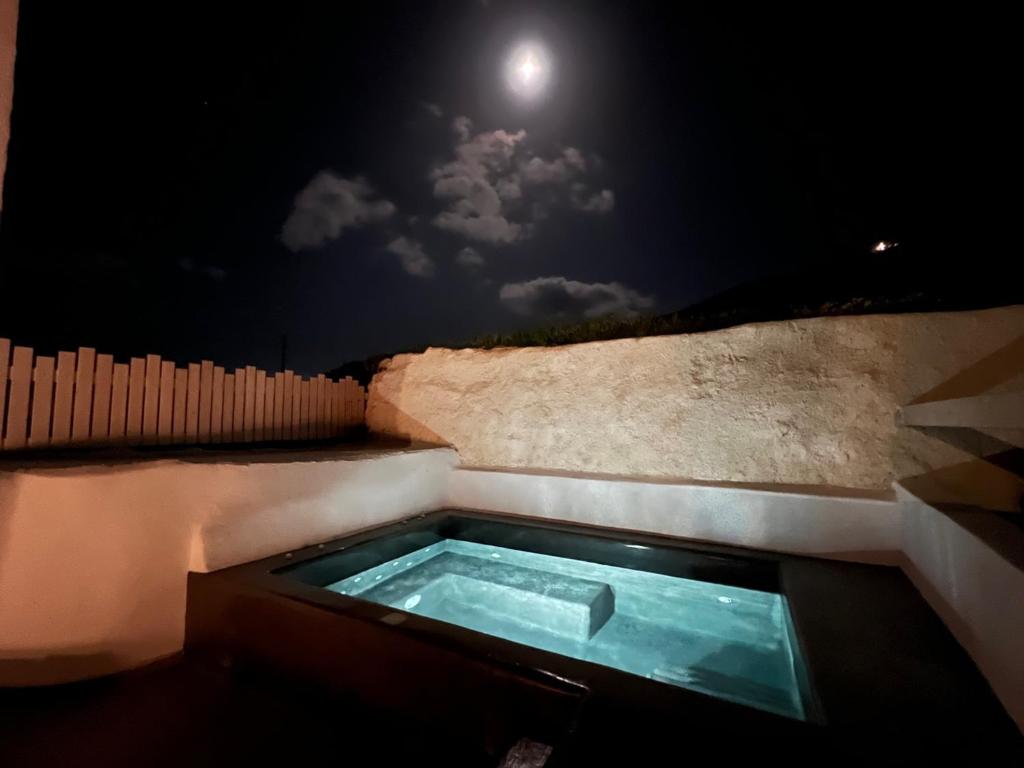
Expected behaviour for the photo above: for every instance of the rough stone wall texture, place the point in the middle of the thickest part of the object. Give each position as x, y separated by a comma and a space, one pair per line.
8, 33
806, 402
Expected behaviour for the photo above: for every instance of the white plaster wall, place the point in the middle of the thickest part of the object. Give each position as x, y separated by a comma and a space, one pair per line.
977, 592
93, 561
8, 35
807, 402
849, 528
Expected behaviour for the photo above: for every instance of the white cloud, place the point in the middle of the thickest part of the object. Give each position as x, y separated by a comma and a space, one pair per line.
328, 205
598, 202
469, 258
476, 182
414, 260
537, 170
560, 298
508, 187
463, 127
433, 109
575, 159
496, 192
488, 229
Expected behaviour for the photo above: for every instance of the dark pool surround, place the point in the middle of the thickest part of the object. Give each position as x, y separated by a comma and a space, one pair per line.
885, 683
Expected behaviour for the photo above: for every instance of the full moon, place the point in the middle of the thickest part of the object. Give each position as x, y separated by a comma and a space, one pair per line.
528, 70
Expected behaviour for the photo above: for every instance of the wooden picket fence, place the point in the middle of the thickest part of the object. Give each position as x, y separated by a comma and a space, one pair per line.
86, 398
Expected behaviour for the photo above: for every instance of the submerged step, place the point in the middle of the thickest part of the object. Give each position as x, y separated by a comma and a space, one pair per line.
564, 605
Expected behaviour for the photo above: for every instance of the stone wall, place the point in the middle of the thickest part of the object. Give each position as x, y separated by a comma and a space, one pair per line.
808, 402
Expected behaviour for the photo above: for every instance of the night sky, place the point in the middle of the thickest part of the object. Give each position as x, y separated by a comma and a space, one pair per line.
198, 183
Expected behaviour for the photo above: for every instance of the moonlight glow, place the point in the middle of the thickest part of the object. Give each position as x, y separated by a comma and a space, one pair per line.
528, 70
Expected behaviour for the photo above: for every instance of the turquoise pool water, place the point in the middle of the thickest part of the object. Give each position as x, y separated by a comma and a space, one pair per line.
725, 641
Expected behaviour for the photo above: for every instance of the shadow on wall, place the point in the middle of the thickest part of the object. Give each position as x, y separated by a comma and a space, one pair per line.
996, 368
994, 478
387, 416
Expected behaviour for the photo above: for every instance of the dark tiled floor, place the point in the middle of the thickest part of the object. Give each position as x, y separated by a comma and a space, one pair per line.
182, 713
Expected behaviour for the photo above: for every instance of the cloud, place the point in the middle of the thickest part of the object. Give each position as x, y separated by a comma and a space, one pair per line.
433, 109
209, 270
328, 205
496, 190
537, 170
414, 260
598, 202
463, 127
487, 229
477, 182
558, 297
469, 258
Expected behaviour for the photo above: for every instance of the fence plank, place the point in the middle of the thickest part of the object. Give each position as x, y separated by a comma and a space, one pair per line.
346, 385
339, 407
322, 407
342, 388
42, 400
179, 418
100, 429
136, 399
165, 408
5, 364
118, 401
287, 405
217, 405
165, 413
332, 407
278, 420
228, 411
17, 408
268, 409
349, 410
314, 408
320, 417
305, 409
297, 408
63, 398
238, 428
205, 399
192, 404
259, 405
82, 414
249, 417
151, 399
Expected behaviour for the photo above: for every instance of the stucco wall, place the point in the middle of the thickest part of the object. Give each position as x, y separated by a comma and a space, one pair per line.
8, 33
808, 402
94, 560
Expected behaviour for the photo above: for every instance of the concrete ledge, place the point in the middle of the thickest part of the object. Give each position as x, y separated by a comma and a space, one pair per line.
857, 527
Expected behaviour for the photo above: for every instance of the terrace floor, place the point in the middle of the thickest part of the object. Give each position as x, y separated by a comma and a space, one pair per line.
182, 713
